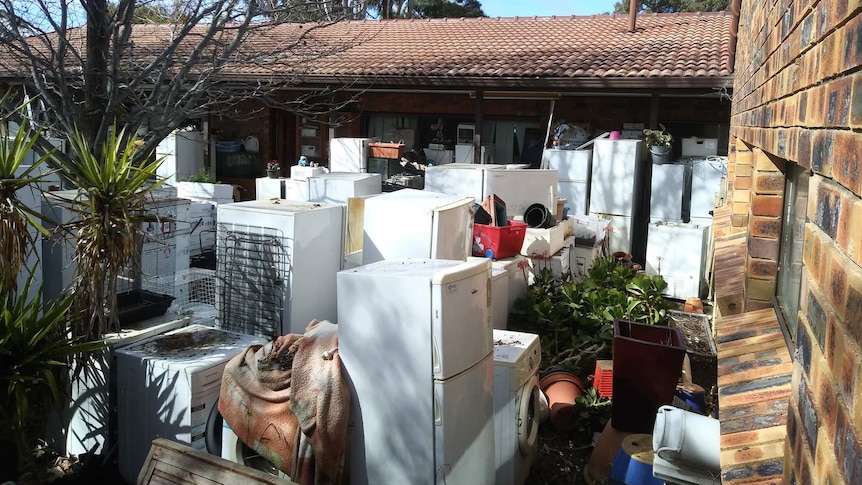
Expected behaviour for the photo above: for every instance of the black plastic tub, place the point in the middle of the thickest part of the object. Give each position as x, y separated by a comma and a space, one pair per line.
138, 305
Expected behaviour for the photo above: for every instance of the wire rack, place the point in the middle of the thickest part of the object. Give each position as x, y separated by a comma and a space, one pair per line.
251, 279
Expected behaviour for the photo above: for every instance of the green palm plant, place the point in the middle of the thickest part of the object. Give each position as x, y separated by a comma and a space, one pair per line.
35, 352
112, 192
15, 239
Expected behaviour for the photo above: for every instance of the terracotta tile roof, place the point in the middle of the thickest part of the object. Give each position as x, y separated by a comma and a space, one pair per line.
664, 45
667, 50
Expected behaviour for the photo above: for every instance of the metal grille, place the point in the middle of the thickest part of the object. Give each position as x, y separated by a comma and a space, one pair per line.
251, 279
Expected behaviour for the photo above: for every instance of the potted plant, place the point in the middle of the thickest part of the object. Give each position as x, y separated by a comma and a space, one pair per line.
659, 144
35, 353
204, 186
273, 169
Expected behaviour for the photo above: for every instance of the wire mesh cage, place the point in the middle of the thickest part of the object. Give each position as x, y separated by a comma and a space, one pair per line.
251, 279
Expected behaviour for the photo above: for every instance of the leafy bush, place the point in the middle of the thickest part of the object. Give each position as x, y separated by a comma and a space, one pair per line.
574, 321
203, 176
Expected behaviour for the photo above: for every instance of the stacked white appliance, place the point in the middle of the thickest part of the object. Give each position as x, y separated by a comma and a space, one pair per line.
517, 186
183, 155
349, 154
277, 261
418, 224
337, 187
281, 188
166, 387
667, 187
574, 167
415, 343
616, 189
517, 356
708, 180
465, 149
676, 252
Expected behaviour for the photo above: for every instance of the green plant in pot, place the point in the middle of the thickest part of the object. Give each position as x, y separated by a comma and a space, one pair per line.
35, 353
659, 144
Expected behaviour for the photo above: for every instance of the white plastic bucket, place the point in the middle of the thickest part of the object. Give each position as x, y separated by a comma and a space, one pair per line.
683, 436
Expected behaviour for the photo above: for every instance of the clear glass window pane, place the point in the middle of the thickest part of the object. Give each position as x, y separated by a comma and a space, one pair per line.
790, 252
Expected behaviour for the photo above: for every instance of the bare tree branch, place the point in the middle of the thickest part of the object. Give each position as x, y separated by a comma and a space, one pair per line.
162, 63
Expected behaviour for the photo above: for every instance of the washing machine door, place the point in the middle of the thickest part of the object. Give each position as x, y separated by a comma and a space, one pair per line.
528, 417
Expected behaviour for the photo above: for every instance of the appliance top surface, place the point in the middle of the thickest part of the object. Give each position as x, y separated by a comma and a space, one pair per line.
194, 342
466, 166
348, 176
409, 267
420, 197
510, 346
274, 205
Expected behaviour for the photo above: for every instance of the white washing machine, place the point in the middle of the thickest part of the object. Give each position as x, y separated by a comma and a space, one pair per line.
232, 449
516, 404
167, 385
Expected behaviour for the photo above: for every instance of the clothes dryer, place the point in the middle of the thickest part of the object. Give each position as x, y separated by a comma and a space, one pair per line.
516, 404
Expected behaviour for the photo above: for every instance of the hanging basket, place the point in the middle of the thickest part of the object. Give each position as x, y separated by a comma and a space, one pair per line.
386, 150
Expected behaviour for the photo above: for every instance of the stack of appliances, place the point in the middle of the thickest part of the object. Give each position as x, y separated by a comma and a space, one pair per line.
517, 186
516, 404
616, 191
574, 167
681, 204
277, 261
167, 385
349, 154
418, 224
415, 342
465, 150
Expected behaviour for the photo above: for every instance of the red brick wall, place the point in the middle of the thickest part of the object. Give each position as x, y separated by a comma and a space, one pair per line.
797, 100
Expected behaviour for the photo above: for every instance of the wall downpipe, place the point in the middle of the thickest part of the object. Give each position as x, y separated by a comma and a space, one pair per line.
735, 6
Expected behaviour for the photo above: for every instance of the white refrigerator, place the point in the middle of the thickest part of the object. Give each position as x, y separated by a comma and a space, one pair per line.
337, 187
518, 187
415, 341
459, 179
574, 168
616, 190
277, 261
349, 154
417, 224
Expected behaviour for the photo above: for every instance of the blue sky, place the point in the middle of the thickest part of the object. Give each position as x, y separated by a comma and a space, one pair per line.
512, 8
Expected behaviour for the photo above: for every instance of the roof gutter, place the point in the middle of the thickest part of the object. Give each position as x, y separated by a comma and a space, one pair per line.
734, 30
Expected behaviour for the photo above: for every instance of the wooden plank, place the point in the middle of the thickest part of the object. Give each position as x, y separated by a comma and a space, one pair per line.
355, 224
172, 463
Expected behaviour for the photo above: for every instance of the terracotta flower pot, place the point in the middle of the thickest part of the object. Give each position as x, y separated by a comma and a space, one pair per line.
562, 387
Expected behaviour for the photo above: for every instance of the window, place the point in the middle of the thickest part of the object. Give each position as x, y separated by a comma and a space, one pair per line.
790, 250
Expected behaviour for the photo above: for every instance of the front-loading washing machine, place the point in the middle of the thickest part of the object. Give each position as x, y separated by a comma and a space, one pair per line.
232, 449
516, 404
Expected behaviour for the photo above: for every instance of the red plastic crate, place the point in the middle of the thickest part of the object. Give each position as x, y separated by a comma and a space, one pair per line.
498, 242
603, 379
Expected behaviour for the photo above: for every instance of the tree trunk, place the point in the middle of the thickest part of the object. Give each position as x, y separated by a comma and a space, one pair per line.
96, 71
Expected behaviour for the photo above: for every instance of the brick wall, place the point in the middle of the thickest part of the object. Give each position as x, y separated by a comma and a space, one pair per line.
797, 100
